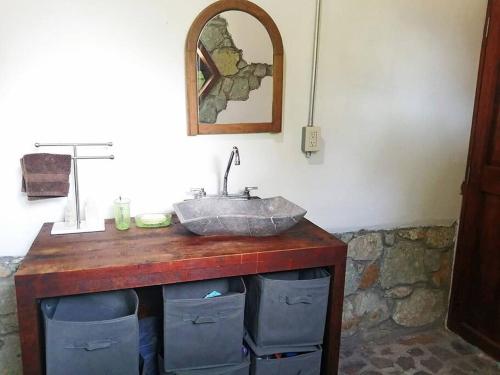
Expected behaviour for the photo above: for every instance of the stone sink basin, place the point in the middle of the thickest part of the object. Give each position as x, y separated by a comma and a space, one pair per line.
234, 217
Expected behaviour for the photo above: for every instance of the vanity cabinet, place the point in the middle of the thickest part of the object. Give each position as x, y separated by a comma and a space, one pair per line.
148, 258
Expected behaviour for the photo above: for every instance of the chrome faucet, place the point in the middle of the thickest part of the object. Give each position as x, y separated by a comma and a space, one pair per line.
236, 155
199, 193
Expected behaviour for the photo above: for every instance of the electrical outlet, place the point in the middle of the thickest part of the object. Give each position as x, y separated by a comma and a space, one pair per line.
310, 138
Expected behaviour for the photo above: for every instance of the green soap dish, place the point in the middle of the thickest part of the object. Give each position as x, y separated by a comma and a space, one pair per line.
153, 220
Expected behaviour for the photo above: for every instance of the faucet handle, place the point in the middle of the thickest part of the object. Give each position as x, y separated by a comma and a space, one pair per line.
248, 189
198, 192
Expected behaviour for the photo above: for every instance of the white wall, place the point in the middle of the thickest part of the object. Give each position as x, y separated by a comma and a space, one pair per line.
395, 97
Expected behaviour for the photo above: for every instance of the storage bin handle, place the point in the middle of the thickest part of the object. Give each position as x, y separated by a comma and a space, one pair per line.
93, 345
307, 299
204, 319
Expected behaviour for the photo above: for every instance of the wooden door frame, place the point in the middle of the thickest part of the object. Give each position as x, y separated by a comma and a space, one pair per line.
475, 177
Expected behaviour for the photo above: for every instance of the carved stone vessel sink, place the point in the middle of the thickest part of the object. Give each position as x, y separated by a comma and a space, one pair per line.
253, 217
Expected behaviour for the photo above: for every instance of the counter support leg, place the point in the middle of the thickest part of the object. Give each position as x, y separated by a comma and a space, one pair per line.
331, 349
29, 332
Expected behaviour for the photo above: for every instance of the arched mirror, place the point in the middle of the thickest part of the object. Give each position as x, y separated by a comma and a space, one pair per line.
234, 70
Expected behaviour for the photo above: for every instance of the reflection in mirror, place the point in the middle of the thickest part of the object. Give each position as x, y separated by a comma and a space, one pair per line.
234, 70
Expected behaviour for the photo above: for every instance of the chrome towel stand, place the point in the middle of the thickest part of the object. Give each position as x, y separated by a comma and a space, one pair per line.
75, 159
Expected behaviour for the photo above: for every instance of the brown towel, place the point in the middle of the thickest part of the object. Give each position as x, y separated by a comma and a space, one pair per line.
45, 175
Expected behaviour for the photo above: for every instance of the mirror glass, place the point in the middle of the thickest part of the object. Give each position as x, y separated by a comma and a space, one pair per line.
234, 70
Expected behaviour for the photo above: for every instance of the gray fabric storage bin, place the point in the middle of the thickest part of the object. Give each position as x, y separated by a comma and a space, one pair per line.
203, 332
287, 309
263, 351
301, 364
95, 333
241, 369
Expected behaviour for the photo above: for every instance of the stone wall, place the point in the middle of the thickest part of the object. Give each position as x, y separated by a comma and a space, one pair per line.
397, 280
10, 353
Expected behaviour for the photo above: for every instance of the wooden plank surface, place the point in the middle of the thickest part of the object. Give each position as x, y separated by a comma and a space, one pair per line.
138, 246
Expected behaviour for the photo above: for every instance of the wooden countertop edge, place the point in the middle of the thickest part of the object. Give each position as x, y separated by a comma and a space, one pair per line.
20, 274
141, 275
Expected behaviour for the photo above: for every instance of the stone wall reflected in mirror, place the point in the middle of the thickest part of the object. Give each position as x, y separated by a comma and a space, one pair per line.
234, 70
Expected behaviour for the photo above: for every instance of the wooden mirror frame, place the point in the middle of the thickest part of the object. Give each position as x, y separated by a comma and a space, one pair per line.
195, 127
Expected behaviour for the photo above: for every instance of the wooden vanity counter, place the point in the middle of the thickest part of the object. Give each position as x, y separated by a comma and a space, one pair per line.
102, 261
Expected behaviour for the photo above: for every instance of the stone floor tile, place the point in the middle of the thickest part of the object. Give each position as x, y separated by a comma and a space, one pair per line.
465, 366
353, 367
426, 338
415, 352
462, 348
478, 362
346, 353
437, 352
406, 363
386, 351
455, 371
433, 364
485, 365
381, 362
442, 353
367, 350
